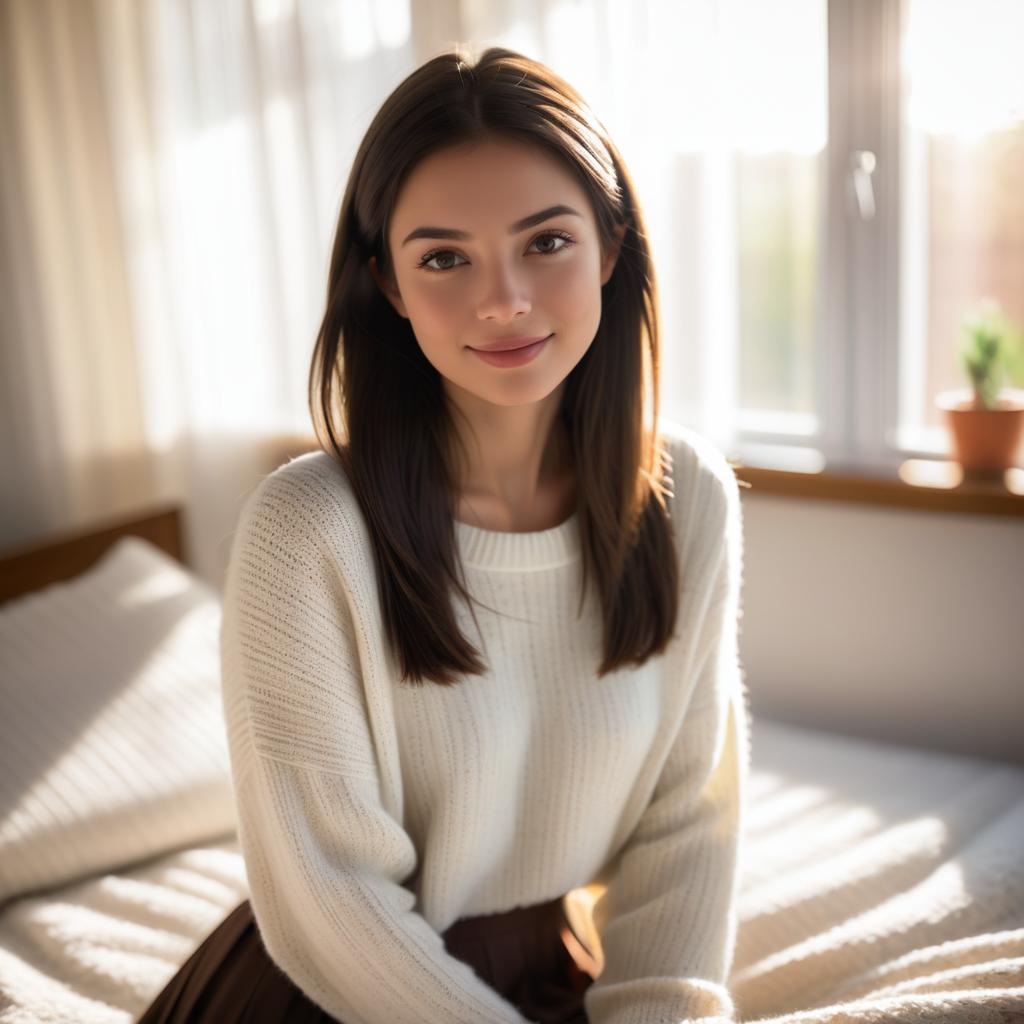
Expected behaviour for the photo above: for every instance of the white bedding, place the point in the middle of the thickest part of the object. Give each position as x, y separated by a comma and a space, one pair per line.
879, 884
112, 745
100, 950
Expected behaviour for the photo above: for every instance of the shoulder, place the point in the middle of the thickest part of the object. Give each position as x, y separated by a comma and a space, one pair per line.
705, 493
309, 485
306, 505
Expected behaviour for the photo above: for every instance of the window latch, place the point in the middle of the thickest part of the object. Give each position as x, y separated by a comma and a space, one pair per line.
862, 167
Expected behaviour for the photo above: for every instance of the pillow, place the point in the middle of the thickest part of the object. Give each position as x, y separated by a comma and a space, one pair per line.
112, 743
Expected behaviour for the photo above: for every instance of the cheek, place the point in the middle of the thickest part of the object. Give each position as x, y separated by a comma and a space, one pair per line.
435, 313
573, 297
431, 302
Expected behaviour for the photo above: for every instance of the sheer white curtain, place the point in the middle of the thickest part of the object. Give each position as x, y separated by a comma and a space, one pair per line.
171, 176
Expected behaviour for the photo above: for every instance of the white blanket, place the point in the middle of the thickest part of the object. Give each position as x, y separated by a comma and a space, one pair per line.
879, 883
99, 951
112, 744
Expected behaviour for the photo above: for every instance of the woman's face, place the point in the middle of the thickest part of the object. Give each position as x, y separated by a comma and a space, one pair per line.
496, 242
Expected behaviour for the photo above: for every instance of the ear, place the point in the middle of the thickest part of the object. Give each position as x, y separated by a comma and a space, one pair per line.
611, 256
389, 290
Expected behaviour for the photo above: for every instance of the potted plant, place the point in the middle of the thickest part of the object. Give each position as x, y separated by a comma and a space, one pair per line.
986, 420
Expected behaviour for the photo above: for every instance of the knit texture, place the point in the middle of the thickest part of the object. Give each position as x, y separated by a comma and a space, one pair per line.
373, 814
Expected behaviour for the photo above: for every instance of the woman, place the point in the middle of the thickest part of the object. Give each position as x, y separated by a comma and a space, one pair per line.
476, 653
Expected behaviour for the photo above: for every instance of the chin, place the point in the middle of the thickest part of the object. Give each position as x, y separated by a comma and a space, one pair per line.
513, 386
514, 393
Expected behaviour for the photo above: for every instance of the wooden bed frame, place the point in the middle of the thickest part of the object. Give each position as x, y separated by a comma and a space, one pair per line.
30, 567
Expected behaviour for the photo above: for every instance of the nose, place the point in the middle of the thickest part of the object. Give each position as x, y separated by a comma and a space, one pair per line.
504, 298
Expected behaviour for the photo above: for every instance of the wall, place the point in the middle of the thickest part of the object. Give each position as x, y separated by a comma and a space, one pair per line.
894, 624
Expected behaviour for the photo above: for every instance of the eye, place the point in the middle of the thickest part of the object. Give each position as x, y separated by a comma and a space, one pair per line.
436, 254
554, 236
440, 255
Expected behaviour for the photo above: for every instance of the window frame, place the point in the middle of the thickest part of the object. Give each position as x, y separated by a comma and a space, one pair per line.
861, 363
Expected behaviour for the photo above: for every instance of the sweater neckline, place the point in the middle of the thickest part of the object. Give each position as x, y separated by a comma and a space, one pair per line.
513, 552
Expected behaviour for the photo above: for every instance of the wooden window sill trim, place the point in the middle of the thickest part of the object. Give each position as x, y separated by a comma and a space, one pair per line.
923, 484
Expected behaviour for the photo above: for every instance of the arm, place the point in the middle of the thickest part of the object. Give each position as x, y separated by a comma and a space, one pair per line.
325, 859
667, 920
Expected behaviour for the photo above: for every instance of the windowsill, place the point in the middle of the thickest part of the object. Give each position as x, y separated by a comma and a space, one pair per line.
931, 485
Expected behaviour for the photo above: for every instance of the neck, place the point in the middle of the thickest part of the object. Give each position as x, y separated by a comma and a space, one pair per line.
512, 464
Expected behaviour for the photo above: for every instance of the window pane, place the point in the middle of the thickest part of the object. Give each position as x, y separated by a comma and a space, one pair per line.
781, 139
962, 192
778, 221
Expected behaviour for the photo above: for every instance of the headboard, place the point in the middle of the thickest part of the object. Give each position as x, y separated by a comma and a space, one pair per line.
27, 568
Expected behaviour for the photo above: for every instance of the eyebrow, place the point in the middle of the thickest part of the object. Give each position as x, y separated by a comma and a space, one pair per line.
520, 225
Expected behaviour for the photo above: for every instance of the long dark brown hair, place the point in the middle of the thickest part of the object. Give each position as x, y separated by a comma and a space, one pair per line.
380, 407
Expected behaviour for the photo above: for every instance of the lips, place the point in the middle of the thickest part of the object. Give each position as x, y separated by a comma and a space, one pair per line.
513, 357
509, 344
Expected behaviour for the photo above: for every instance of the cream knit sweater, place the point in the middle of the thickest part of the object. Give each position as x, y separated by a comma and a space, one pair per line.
372, 815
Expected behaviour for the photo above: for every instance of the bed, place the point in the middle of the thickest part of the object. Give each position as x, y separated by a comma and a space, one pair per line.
878, 882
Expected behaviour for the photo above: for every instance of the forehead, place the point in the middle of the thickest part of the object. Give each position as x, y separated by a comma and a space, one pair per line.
477, 185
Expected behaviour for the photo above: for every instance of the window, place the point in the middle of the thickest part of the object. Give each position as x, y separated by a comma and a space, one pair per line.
866, 237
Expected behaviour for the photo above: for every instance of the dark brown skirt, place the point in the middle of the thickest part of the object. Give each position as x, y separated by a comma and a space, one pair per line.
530, 955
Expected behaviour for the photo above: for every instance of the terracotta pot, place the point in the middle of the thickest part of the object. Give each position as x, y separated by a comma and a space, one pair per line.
986, 442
